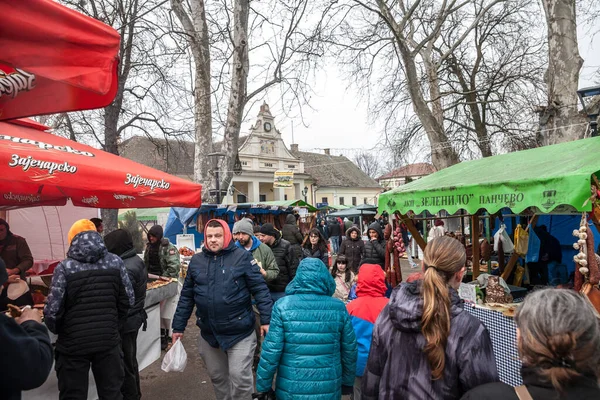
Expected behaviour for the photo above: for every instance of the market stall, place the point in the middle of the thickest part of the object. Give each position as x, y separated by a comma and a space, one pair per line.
360, 211
54, 59
41, 169
191, 221
525, 187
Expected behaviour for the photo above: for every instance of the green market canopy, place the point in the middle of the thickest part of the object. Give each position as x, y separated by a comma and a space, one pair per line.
145, 214
546, 178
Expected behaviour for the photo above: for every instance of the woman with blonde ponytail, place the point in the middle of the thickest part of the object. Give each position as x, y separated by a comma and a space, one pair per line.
425, 346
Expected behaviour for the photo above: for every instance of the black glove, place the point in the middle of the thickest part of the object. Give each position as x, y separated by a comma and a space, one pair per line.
270, 395
346, 390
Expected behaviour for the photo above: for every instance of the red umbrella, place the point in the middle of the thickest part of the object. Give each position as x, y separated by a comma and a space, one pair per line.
38, 168
54, 59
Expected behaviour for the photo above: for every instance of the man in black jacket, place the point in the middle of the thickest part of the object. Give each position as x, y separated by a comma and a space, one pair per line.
26, 351
220, 283
284, 255
120, 242
89, 299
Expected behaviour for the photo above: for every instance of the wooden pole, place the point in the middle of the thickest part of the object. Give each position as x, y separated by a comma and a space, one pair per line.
412, 229
475, 244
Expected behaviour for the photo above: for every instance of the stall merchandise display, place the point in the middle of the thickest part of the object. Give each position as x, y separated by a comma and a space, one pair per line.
587, 271
186, 251
156, 284
394, 250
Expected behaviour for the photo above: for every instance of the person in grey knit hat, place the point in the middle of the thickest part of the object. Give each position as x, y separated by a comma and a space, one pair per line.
243, 234
244, 225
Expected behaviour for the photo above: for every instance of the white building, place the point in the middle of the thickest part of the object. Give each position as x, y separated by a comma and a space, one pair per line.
318, 178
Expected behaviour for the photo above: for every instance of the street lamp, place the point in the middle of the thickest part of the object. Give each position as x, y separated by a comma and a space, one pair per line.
216, 192
304, 193
590, 94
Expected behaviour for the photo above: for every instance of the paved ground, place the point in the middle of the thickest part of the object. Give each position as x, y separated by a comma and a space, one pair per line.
194, 381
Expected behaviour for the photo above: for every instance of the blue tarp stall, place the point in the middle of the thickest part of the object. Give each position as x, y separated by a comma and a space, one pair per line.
559, 226
183, 220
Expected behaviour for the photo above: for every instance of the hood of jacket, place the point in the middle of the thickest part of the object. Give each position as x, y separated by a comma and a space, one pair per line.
118, 242
371, 281
156, 231
87, 247
290, 219
312, 277
376, 226
353, 229
406, 306
255, 244
227, 237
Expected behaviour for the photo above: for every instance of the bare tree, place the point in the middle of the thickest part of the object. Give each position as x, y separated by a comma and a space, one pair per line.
368, 163
559, 118
229, 35
490, 84
446, 71
146, 79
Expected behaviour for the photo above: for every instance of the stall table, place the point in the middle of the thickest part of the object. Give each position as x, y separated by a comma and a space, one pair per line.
503, 333
148, 342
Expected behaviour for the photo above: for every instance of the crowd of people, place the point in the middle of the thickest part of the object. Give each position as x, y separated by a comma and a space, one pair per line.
418, 344
276, 322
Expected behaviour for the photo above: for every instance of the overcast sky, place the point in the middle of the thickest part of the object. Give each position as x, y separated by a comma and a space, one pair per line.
340, 118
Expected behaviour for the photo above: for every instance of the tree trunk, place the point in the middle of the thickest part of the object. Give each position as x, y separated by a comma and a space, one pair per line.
239, 85
562, 76
443, 154
470, 96
196, 29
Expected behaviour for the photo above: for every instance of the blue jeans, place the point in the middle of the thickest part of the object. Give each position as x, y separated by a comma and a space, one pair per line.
335, 244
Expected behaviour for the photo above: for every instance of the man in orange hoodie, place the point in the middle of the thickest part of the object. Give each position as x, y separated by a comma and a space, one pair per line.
364, 310
220, 283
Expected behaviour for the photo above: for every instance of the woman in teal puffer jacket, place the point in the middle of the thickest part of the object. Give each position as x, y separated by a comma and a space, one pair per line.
311, 343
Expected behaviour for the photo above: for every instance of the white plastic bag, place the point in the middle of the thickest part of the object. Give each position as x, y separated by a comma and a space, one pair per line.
501, 237
176, 358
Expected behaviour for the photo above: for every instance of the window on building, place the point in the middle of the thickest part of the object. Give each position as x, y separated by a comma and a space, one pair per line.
262, 197
285, 196
291, 166
341, 201
268, 164
241, 198
365, 200
324, 200
245, 163
354, 201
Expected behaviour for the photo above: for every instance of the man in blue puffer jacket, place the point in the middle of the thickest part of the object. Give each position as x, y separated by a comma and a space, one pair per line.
311, 343
219, 282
